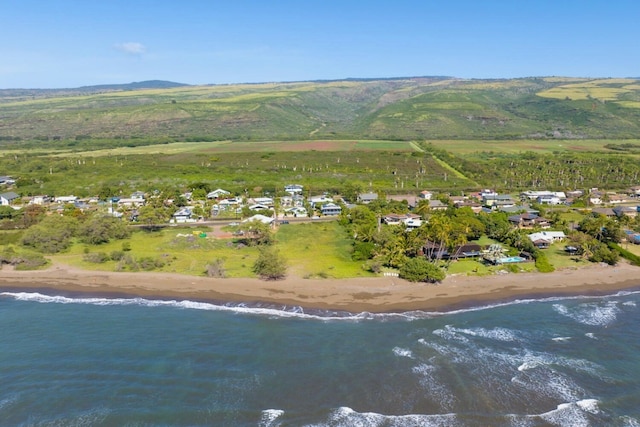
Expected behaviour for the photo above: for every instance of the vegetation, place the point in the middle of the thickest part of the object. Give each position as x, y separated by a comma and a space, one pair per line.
270, 265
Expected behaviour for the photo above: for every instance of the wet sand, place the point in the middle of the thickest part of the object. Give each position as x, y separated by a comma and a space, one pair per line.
376, 295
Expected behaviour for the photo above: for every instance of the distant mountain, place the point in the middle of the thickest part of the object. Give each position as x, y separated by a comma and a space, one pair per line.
148, 84
413, 108
23, 94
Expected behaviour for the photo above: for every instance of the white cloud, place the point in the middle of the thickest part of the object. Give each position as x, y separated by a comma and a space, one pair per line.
133, 48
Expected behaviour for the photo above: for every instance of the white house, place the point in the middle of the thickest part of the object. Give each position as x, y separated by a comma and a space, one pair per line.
549, 236
293, 189
7, 198
297, 211
216, 194
263, 219
330, 209
65, 199
426, 195
183, 215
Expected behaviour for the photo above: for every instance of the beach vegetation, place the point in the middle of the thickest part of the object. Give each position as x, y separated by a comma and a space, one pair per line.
421, 270
53, 234
215, 268
270, 265
100, 229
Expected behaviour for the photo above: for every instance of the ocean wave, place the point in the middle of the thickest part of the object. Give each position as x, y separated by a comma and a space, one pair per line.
347, 417
403, 352
592, 314
276, 311
269, 417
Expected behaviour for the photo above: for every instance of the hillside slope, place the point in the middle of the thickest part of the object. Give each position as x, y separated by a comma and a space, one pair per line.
403, 109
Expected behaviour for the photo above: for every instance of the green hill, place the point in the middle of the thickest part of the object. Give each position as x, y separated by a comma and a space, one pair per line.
396, 109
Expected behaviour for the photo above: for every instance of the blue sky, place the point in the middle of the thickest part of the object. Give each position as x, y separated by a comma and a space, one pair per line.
71, 43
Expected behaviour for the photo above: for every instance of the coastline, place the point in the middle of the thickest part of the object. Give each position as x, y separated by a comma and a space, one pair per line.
354, 295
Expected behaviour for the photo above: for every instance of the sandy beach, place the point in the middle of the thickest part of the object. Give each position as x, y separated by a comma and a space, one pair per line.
376, 295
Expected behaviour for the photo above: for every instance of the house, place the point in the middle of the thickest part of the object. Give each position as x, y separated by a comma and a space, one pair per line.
425, 195
295, 200
39, 200
367, 198
529, 220
65, 199
616, 199
434, 250
634, 191
293, 189
330, 209
498, 200
216, 194
397, 219
263, 219
629, 211
296, 211
259, 207
7, 199
131, 202
137, 195
7, 180
267, 201
437, 205
557, 197
320, 200
410, 199
183, 215
544, 239
608, 212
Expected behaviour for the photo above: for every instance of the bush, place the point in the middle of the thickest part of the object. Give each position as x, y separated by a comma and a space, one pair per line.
270, 265
362, 251
116, 255
216, 269
629, 256
96, 257
421, 270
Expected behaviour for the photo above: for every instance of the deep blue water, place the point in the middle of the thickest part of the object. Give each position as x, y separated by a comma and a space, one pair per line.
108, 362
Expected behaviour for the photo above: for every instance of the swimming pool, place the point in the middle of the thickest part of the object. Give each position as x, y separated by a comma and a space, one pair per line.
510, 260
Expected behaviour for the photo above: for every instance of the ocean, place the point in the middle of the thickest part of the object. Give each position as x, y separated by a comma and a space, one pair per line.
135, 362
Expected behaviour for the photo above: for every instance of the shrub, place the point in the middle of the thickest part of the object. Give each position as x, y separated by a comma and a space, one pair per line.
421, 270
216, 269
362, 251
116, 255
631, 257
270, 265
96, 257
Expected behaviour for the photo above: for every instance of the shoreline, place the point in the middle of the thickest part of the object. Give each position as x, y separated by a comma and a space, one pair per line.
353, 295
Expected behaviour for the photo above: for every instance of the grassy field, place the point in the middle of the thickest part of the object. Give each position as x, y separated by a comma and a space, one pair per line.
181, 250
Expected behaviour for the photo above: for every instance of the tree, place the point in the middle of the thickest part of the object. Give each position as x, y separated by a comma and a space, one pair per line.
53, 234
101, 229
421, 270
270, 265
256, 232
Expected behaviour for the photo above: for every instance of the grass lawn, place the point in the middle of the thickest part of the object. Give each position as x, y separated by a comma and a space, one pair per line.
318, 250
311, 249
560, 259
181, 250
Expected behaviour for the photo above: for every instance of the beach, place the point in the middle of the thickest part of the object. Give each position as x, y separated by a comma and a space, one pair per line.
355, 295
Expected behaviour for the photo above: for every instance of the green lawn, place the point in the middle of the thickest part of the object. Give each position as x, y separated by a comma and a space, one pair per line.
311, 249
318, 250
